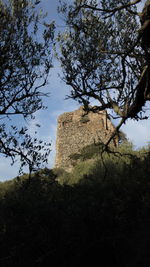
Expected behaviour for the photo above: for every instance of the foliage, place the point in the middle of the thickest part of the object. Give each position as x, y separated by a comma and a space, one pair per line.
102, 56
95, 222
87, 152
25, 62
94, 163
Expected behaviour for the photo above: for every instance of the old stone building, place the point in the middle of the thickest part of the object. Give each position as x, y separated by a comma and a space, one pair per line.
78, 129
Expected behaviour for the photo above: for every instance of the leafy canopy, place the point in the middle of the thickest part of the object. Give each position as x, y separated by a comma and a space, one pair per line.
105, 56
25, 62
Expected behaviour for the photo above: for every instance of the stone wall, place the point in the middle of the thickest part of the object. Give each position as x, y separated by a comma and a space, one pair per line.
76, 130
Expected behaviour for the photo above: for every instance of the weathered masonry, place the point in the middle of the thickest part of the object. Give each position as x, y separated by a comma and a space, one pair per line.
76, 130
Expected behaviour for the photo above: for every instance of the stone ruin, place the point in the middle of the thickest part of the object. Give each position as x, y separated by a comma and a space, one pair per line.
78, 129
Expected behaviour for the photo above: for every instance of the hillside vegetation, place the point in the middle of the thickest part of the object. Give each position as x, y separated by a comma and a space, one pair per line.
97, 215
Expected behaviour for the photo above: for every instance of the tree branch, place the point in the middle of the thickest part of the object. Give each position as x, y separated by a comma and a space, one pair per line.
114, 10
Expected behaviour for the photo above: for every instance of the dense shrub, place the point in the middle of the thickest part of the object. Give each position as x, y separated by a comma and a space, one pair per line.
100, 217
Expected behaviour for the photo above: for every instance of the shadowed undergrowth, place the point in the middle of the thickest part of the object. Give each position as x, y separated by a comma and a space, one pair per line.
80, 218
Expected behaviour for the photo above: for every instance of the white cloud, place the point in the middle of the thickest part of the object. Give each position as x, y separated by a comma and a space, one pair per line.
140, 5
138, 132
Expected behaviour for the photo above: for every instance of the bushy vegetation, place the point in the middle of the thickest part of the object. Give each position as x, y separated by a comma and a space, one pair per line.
97, 215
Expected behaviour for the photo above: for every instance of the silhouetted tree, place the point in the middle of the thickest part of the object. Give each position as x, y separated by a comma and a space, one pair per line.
105, 55
25, 62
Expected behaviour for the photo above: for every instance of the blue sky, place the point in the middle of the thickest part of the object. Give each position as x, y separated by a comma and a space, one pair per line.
137, 132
